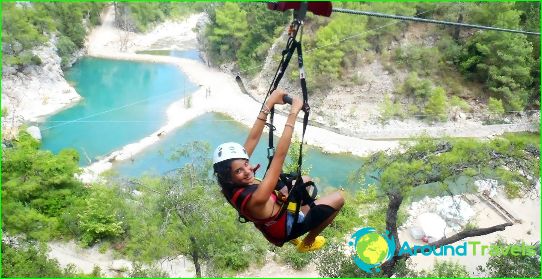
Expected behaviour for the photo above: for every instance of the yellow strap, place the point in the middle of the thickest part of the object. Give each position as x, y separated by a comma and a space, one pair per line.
291, 207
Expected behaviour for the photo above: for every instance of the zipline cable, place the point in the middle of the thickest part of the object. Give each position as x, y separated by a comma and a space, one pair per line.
424, 20
107, 111
340, 40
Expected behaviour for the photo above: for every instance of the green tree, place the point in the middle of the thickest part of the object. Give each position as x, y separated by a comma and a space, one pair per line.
446, 269
436, 162
265, 27
30, 260
37, 188
331, 51
436, 106
503, 61
389, 109
524, 265
184, 213
291, 165
385, 30
100, 217
496, 109
227, 31
417, 91
19, 36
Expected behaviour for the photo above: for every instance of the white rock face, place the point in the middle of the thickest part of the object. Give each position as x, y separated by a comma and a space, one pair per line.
34, 131
452, 209
36, 91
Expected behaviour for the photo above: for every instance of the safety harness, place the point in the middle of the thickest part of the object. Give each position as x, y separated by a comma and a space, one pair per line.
300, 192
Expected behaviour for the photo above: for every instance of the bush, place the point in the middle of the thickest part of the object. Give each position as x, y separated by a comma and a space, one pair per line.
460, 103
446, 269
30, 260
389, 110
65, 49
437, 105
100, 218
496, 110
424, 60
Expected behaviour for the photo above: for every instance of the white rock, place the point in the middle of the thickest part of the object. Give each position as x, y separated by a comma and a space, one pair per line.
35, 132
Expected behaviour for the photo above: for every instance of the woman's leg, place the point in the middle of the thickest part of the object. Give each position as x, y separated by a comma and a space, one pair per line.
334, 200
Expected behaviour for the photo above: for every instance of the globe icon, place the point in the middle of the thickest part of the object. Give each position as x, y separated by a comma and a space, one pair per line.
372, 248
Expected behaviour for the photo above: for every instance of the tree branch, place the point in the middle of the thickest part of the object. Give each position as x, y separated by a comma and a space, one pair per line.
470, 233
395, 200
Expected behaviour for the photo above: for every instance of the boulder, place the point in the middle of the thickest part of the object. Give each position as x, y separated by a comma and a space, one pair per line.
35, 132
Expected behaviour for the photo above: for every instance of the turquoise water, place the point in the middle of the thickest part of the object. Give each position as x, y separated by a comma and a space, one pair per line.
329, 170
190, 54
122, 102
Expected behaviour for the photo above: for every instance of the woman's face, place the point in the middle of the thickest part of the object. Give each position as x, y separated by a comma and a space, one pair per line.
242, 173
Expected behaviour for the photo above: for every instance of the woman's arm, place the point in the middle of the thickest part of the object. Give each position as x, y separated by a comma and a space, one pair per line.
256, 132
261, 195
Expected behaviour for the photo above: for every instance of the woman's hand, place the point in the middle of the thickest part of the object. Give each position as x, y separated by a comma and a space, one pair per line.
297, 105
276, 97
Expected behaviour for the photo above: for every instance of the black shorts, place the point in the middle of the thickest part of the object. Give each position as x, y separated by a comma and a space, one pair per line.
316, 216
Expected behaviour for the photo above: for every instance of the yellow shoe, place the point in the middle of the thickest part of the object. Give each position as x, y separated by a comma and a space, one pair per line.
318, 243
295, 241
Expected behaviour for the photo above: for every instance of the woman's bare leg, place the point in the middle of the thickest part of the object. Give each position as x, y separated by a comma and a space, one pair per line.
336, 201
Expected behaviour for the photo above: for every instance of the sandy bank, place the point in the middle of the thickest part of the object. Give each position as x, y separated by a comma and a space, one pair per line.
226, 97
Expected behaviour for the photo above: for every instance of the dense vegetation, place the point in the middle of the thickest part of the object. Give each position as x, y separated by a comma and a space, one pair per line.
511, 159
442, 63
183, 213
243, 33
27, 25
140, 16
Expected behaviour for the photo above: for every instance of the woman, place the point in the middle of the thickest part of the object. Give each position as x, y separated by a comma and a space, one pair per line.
257, 201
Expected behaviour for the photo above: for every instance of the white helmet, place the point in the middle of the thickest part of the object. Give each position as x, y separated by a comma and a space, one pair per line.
229, 150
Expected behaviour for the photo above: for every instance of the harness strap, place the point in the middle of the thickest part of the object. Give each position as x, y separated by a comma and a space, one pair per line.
287, 53
240, 198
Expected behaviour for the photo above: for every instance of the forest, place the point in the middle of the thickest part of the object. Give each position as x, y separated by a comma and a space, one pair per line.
183, 213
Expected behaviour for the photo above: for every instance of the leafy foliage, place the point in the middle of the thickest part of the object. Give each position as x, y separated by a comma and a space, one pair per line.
184, 213
325, 63
445, 269
28, 25
100, 217
229, 28
502, 60
38, 187
146, 14
291, 165
436, 107
242, 33
30, 260
523, 265
389, 109
19, 35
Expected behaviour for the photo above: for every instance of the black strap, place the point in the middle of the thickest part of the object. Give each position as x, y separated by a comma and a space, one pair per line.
297, 192
286, 57
246, 192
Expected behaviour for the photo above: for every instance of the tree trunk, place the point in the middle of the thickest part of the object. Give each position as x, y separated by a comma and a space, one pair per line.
195, 256
457, 28
395, 200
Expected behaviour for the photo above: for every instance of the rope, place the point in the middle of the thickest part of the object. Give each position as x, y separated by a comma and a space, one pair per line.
417, 19
106, 111
339, 41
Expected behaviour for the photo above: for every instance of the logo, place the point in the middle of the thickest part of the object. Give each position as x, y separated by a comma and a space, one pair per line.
372, 249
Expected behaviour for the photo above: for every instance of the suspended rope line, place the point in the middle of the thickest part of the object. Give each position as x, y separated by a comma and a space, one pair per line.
106, 111
418, 19
131, 121
338, 41
359, 34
